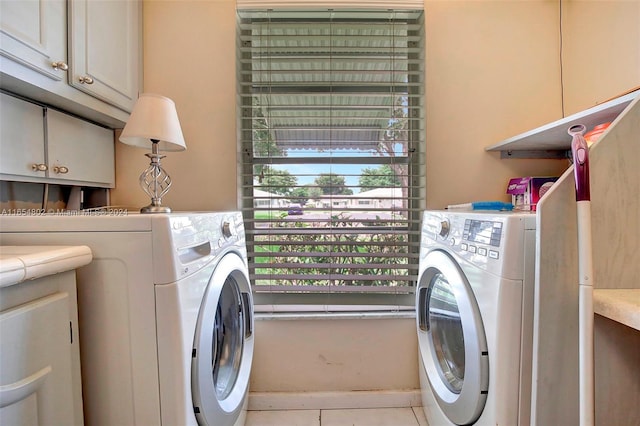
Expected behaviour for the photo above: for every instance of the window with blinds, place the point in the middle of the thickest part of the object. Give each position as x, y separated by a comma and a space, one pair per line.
332, 141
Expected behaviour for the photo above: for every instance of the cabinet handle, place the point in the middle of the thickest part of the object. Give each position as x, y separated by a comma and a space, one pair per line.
60, 170
60, 65
39, 167
85, 79
14, 392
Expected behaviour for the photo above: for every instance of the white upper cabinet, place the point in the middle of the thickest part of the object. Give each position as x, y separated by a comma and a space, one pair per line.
21, 138
39, 144
105, 50
34, 34
82, 56
79, 151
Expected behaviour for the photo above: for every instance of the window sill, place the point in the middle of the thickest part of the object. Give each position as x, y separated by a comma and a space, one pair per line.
324, 312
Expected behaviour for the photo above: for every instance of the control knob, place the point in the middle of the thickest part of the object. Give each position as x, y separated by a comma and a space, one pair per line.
444, 228
227, 231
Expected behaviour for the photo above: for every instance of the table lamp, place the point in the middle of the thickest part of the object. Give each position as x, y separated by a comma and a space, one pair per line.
154, 121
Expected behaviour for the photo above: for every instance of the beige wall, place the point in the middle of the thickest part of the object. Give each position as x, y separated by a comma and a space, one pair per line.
482, 86
493, 71
339, 355
189, 56
601, 50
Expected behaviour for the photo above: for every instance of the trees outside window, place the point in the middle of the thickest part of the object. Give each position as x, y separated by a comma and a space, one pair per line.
331, 118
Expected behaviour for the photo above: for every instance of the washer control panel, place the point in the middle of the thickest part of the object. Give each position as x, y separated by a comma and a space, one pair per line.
196, 239
489, 240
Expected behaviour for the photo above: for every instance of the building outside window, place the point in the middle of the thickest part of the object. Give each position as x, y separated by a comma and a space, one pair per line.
332, 144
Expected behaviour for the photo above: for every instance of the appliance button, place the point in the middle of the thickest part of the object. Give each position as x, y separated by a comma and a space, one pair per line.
493, 254
472, 249
463, 246
482, 251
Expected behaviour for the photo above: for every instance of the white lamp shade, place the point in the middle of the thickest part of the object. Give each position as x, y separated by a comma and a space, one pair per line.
154, 117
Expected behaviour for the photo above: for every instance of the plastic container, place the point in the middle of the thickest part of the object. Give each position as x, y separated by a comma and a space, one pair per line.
595, 133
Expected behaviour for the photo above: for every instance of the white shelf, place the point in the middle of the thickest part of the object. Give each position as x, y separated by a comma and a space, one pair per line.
552, 140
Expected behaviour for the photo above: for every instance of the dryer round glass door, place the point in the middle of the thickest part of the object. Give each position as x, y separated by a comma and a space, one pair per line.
451, 338
223, 345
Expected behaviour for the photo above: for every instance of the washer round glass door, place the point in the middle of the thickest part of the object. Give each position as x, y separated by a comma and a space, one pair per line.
451, 338
228, 339
223, 345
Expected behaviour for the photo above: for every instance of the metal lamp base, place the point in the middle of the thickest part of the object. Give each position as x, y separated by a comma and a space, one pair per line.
155, 182
155, 209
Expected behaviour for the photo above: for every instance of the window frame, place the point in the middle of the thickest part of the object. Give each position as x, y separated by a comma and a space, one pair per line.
415, 162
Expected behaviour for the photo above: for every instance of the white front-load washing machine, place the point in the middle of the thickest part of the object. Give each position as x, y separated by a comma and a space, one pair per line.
474, 308
165, 313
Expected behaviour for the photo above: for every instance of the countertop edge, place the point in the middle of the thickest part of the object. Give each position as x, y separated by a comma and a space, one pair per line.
621, 305
40, 261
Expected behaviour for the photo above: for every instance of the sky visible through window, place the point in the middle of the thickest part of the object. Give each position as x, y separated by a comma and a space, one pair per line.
307, 173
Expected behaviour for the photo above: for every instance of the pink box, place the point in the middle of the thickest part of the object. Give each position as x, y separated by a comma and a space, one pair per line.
526, 191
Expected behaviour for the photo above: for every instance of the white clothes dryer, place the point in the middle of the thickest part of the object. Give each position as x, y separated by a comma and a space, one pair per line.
165, 313
474, 307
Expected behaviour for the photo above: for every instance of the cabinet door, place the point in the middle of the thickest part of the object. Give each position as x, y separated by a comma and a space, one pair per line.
33, 33
36, 385
79, 150
21, 137
105, 43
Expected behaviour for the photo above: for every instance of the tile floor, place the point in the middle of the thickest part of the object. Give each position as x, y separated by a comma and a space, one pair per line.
408, 416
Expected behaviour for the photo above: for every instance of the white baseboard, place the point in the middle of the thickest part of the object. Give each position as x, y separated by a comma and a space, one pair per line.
333, 400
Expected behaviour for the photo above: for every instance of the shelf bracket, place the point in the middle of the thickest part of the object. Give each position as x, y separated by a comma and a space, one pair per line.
547, 154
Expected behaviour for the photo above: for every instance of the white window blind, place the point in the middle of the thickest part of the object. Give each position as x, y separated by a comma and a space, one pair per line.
331, 133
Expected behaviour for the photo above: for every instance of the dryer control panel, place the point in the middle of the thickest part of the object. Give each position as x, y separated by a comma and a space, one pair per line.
482, 237
483, 232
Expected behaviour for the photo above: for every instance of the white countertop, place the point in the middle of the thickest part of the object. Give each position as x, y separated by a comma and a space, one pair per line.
21, 263
621, 305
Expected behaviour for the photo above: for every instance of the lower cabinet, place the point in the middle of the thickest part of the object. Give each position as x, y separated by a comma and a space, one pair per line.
35, 363
40, 144
40, 374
